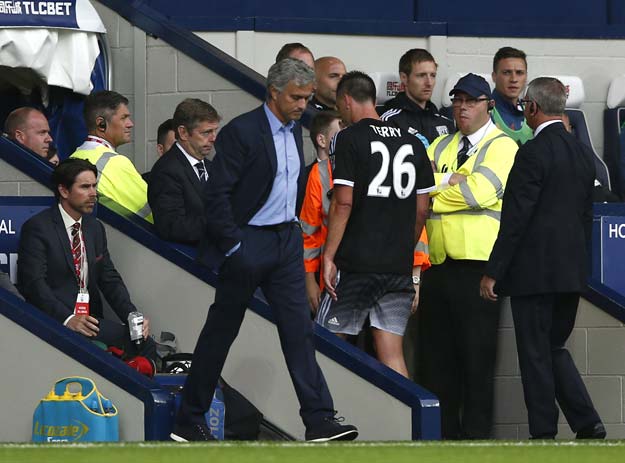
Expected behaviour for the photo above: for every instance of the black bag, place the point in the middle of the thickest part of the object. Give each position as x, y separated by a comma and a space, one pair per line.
243, 419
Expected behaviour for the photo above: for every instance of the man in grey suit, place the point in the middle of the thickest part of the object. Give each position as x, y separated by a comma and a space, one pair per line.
540, 260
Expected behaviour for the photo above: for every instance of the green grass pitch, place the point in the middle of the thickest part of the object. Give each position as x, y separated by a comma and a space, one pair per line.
388, 452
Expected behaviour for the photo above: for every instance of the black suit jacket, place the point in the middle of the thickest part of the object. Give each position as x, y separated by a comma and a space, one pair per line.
546, 218
243, 172
46, 271
175, 195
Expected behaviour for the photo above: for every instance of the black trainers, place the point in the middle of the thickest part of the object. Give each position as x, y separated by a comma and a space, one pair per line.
331, 429
191, 433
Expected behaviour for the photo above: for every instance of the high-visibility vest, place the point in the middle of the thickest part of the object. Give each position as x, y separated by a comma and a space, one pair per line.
118, 178
464, 220
314, 221
521, 136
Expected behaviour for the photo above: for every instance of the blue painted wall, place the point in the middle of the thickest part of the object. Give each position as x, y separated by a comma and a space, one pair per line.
526, 11
529, 18
320, 9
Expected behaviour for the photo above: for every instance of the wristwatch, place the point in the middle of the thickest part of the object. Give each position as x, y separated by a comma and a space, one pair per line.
416, 279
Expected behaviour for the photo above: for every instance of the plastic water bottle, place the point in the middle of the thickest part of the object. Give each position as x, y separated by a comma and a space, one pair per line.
135, 325
107, 405
93, 405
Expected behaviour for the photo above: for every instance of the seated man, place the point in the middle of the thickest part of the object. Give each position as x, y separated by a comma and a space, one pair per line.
109, 125
29, 127
64, 263
165, 138
178, 177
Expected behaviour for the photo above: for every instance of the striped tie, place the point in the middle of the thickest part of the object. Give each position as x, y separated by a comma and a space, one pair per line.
76, 250
201, 169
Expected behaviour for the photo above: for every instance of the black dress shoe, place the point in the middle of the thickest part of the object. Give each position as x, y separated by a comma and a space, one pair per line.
192, 433
594, 431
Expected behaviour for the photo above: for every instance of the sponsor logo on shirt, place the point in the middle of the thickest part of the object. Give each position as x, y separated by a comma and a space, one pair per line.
442, 130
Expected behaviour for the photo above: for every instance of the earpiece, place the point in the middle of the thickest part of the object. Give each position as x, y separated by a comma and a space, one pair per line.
102, 124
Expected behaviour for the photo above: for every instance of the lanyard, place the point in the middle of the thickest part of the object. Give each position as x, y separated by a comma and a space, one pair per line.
99, 141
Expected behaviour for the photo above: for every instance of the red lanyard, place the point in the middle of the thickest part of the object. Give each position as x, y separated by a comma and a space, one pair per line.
100, 141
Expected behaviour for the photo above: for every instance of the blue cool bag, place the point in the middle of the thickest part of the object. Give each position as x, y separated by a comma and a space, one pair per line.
82, 415
215, 416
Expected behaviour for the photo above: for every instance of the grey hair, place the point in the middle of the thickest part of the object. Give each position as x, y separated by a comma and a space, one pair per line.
548, 93
287, 70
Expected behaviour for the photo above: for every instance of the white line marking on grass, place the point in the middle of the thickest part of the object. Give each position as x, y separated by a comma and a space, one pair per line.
272, 444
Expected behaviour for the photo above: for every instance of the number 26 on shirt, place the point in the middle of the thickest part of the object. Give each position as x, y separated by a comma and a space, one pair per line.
400, 168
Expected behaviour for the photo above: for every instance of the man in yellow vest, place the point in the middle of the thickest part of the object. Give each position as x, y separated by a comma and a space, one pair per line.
458, 330
109, 125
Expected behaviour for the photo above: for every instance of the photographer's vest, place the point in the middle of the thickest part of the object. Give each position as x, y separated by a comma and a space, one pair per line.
118, 178
464, 220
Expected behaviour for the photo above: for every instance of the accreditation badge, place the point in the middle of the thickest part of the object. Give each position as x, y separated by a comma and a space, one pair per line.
82, 304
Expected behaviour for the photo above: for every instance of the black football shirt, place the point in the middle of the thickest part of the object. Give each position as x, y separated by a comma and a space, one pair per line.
386, 167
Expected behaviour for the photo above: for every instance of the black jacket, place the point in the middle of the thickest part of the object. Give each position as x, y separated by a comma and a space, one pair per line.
406, 114
46, 270
175, 194
243, 173
546, 218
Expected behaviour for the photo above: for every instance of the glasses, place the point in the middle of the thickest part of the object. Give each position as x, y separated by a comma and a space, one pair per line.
523, 103
468, 102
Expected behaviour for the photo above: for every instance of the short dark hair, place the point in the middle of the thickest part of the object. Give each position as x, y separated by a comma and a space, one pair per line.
508, 52
320, 124
413, 56
66, 172
191, 111
287, 48
163, 129
358, 85
102, 104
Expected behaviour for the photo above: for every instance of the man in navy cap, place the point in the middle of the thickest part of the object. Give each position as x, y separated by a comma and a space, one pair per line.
458, 329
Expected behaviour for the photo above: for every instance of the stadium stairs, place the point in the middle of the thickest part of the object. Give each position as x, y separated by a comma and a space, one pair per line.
174, 291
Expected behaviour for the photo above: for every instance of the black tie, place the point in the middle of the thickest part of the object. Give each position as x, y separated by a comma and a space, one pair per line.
201, 169
462, 154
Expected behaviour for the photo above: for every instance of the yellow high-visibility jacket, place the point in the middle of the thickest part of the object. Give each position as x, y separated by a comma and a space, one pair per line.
118, 178
464, 220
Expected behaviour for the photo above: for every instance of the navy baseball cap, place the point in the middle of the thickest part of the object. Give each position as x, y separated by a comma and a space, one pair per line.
473, 85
